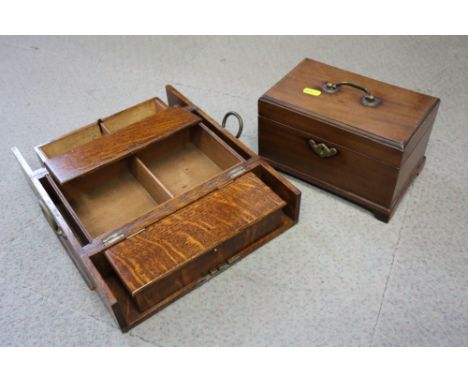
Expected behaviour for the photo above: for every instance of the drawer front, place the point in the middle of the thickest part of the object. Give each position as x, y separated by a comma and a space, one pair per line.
343, 168
193, 241
209, 263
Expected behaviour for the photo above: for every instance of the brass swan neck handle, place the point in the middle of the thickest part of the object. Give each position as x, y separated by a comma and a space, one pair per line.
367, 100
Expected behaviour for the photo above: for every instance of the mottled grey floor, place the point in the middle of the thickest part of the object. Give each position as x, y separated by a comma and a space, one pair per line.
340, 277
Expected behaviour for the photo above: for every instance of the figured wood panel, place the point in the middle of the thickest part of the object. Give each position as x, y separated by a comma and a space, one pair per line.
113, 292
394, 121
207, 262
347, 170
112, 147
330, 132
170, 243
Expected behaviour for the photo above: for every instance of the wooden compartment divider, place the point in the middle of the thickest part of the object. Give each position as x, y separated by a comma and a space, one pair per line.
152, 184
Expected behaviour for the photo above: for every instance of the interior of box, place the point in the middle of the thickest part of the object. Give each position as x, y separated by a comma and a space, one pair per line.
123, 191
126, 304
110, 197
96, 130
70, 141
187, 158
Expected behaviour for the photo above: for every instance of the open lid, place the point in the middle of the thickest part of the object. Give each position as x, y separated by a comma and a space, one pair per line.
124, 142
367, 107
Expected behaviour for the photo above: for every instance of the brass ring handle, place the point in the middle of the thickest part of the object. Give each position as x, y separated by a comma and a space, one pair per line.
368, 99
239, 119
50, 218
322, 150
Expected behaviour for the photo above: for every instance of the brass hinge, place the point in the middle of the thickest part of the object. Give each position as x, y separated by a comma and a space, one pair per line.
112, 238
236, 172
136, 233
232, 174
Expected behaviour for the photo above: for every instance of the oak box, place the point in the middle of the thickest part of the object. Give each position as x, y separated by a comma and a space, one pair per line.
152, 201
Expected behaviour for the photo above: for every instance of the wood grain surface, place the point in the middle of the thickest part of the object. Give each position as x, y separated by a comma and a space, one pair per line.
169, 244
393, 122
109, 148
348, 169
378, 150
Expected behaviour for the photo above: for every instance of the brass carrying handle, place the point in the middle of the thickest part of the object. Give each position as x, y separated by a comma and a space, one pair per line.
239, 119
322, 150
367, 100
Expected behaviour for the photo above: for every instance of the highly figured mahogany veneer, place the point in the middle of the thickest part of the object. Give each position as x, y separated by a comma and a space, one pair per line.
154, 200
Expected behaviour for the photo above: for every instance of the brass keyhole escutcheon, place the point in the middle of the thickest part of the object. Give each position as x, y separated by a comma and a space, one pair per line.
322, 150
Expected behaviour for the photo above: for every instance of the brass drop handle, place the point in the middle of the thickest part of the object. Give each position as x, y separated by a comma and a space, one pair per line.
367, 100
239, 120
322, 150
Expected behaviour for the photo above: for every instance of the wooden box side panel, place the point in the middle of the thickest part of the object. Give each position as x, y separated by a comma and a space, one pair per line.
208, 262
176, 98
55, 215
282, 187
133, 114
348, 171
414, 158
411, 168
123, 307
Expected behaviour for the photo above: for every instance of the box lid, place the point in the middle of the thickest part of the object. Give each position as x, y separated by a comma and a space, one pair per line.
166, 246
392, 120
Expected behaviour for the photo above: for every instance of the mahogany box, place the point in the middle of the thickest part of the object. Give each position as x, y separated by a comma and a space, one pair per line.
152, 201
355, 136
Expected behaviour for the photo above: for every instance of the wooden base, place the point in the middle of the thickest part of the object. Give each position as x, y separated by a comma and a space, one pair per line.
381, 213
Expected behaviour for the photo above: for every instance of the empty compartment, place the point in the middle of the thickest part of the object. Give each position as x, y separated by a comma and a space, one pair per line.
133, 115
114, 195
188, 158
96, 130
70, 141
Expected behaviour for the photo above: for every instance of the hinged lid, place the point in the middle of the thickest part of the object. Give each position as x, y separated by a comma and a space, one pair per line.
122, 143
169, 244
366, 108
